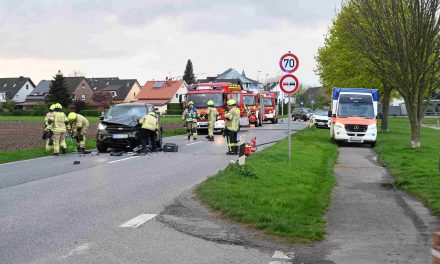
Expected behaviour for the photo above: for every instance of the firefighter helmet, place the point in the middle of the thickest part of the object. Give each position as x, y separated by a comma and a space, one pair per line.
190, 103
58, 105
211, 103
52, 107
232, 102
71, 116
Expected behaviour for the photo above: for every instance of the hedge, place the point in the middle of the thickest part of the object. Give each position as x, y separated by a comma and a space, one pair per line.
94, 113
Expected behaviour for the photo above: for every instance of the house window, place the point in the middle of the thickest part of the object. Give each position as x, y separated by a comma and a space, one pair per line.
83, 86
177, 96
73, 96
83, 97
134, 94
27, 86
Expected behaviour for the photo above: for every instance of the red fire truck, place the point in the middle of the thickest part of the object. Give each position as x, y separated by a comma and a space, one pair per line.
270, 102
220, 93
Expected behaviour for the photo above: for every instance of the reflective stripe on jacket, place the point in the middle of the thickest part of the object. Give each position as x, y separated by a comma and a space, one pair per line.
59, 122
149, 122
212, 114
81, 121
232, 119
190, 115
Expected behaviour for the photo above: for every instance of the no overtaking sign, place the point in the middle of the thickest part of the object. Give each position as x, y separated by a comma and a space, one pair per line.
289, 84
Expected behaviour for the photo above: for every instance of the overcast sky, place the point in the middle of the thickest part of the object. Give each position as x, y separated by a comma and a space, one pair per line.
151, 39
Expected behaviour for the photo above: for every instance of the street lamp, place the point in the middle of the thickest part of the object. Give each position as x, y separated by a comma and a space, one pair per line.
258, 78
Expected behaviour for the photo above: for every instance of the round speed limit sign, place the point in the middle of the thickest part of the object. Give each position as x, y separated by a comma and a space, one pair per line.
289, 63
289, 84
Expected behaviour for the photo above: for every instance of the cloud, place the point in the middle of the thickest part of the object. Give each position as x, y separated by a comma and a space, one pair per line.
148, 39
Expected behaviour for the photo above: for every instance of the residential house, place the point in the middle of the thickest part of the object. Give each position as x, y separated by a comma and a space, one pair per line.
80, 89
234, 77
123, 90
161, 93
15, 89
38, 95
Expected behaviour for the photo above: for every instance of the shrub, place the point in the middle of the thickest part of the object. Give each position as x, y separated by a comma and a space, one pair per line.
90, 113
40, 109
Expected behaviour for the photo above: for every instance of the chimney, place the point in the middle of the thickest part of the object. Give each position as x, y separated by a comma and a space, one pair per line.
168, 81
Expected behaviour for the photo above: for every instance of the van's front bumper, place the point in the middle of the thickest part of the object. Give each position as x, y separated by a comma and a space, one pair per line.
341, 134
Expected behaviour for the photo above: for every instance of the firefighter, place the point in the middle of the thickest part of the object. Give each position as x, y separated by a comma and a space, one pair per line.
48, 128
148, 131
189, 118
232, 118
79, 125
212, 117
59, 122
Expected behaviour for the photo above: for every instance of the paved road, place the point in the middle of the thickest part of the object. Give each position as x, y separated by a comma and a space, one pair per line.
55, 212
370, 221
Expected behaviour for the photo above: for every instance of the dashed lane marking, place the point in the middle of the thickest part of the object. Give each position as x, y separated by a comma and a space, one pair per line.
138, 220
114, 161
280, 255
78, 250
189, 144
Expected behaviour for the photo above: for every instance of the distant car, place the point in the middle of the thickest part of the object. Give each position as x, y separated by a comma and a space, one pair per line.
320, 118
302, 114
119, 127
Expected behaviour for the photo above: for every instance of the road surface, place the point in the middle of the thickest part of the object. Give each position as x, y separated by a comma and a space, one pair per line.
106, 209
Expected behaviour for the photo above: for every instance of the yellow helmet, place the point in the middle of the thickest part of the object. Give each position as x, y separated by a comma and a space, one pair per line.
232, 102
152, 113
190, 103
52, 107
71, 116
58, 105
211, 103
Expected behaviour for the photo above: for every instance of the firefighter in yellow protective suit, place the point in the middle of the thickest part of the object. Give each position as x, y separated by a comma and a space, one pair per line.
59, 123
148, 131
189, 117
232, 123
48, 128
79, 125
212, 117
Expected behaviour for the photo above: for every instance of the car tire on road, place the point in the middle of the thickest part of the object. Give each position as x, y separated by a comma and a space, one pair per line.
101, 148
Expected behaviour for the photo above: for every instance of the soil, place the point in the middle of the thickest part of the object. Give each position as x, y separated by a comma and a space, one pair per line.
26, 135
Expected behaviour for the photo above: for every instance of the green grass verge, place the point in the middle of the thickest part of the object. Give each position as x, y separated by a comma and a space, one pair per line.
431, 120
23, 154
416, 171
287, 199
91, 119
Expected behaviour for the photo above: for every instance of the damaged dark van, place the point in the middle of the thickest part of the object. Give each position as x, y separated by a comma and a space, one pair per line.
119, 127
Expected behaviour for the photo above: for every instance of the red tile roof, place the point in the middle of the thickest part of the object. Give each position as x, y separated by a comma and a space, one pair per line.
159, 90
156, 102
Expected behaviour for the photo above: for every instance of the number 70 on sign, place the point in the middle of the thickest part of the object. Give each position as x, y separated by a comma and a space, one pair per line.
289, 63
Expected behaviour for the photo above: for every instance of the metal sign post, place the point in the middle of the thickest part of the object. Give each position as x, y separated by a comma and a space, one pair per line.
289, 84
290, 128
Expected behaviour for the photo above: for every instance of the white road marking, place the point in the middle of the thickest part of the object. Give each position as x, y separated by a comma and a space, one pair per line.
189, 144
138, 220
78, 250
280, 255
110, 162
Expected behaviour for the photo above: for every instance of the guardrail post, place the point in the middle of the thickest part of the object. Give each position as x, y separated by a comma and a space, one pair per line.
435, 248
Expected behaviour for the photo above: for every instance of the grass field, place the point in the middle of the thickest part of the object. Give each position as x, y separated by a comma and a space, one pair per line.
283, 198
417, 171
164, 119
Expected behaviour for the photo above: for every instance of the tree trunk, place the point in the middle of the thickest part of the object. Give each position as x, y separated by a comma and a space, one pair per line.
385, 108
415, 131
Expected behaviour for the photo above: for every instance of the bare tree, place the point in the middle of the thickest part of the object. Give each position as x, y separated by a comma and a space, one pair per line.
401, 39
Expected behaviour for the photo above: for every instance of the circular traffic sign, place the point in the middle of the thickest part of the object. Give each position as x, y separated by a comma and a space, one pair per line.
289, 63
289, 84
